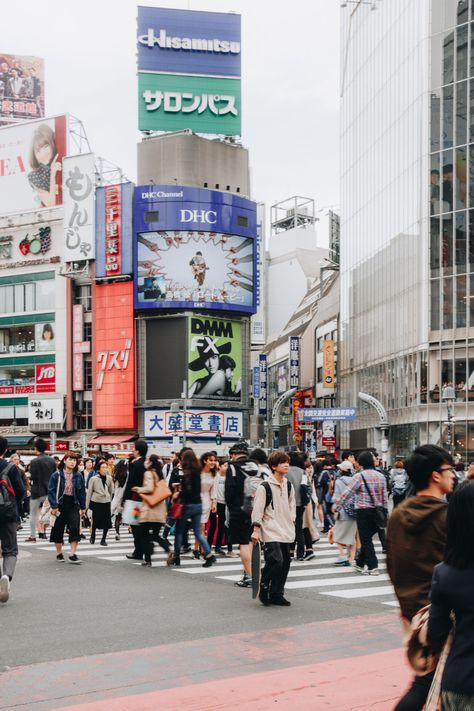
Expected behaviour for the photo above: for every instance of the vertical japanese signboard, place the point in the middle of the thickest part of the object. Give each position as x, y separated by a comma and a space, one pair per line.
79, 347
262, 401
79, 207
114, 230
294, 361
328, 364
114, 396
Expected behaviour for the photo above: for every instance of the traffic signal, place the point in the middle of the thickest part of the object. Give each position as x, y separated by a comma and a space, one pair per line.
218, 438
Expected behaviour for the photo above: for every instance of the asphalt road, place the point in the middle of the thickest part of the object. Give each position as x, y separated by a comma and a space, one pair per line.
103, 630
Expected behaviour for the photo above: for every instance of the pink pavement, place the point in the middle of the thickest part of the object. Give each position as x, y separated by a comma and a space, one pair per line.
348, 684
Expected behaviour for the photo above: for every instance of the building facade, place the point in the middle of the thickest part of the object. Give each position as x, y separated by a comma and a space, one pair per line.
407, 320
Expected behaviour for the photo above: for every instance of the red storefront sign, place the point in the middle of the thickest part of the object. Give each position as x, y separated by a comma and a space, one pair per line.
113, 216
45, 378
114, 357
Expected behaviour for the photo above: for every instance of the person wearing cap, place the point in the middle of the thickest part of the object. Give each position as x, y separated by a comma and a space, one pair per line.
240, 523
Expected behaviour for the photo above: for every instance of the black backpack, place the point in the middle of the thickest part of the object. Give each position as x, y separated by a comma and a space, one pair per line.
8, 507
269, 495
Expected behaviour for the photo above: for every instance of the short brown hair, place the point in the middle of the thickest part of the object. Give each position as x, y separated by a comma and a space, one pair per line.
72, 454
276, 458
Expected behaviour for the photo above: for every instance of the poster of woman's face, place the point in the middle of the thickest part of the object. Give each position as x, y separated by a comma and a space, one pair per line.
45, 336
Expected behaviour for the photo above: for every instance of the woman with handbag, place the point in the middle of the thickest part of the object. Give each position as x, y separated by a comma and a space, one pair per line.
189, 497
67, 498
99, 497
452, 592
345, 528
154, 494
208, 494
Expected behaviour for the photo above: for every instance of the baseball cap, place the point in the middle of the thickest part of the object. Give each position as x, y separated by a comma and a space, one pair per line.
239, 448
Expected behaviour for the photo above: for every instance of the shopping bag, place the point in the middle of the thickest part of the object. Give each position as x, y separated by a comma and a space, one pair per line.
131, 512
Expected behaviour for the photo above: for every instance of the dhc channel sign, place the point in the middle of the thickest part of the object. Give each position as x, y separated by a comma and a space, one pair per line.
194, 248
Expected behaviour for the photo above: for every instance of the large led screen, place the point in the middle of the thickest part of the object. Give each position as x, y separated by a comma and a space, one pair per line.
190, 269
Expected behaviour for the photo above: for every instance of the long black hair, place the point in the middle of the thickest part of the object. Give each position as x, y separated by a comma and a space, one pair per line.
459, 549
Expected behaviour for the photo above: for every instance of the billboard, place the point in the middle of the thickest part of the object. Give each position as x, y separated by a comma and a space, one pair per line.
23, 377
48, 412
188, 42
214, 358
328, 364
194, 248
294, 361
262, 400
21, 87
199, 424
30, 246
189, 67
79, 207
114, 360
167, 102
195, 269
31, 156
114, 241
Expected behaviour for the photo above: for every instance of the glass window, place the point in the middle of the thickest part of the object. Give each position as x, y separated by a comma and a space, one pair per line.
45, 295
447, 246
319, 376
448, 58
461, 178
434, 248
461, 113
448, 303
435, 304
461, 52
435, 122
461, 243
461, 296
19, 290
447, 173
448, 116
6, 299
30, 297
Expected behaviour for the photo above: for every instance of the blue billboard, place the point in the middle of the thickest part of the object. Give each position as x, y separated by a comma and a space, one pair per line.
188, 42
194, 248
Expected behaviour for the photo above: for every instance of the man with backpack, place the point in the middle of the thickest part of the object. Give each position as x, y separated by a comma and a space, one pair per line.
11, 495
273, 521
242, 480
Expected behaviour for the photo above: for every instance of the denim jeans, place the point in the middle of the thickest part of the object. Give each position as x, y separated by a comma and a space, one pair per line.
194, 512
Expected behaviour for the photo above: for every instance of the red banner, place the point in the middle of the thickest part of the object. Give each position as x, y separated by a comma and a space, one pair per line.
114, 357
113, 216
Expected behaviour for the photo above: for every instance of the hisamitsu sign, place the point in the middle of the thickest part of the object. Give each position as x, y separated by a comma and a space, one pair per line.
317, 414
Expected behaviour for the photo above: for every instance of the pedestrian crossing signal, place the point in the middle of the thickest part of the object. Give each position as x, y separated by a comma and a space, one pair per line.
218, 438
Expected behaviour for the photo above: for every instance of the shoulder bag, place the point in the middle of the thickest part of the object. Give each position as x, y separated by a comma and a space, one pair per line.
380, 511
53, 517
160, 493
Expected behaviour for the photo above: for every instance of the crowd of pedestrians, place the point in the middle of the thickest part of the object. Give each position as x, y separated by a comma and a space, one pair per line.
284, 502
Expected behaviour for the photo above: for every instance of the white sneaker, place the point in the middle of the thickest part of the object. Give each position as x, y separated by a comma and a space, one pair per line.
4, 588
374, 571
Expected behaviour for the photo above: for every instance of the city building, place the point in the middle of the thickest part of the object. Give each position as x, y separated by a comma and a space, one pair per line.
407, 224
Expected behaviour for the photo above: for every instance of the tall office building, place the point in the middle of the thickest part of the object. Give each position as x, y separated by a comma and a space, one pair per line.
407, 221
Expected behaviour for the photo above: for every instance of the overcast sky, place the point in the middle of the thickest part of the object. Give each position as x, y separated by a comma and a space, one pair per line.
290, 69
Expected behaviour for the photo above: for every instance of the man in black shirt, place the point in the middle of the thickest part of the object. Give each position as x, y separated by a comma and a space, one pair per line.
41, 468
240, 523
13, 486
136, 469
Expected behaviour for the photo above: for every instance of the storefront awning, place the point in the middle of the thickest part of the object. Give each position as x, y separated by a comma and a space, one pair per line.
19, 440
112, 439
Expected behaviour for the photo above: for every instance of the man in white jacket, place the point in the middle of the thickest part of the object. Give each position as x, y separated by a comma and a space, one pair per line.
273, 522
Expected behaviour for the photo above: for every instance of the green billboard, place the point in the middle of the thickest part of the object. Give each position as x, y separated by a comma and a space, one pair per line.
170, 102
215, 358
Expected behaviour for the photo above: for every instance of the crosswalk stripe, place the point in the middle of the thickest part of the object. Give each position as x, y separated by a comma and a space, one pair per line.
393, 603
364, 592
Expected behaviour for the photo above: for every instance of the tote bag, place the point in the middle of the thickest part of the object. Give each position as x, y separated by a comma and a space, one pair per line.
131, 512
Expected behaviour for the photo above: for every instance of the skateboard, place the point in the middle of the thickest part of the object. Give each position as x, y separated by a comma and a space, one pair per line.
256, 569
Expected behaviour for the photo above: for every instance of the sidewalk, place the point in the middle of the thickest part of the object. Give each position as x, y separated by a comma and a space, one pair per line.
349, 664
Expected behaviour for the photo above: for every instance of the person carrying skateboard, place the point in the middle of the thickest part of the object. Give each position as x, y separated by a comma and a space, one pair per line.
273, 522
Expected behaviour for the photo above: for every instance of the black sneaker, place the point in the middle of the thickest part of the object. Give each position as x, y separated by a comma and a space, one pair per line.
279, 600
209, 561
309, 555
246, 582
74, 559
196, 555
42, 536
60, 558
186, 549
263, 596
220, 551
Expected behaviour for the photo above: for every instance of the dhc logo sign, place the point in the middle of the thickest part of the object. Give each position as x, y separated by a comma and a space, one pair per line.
207, 217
